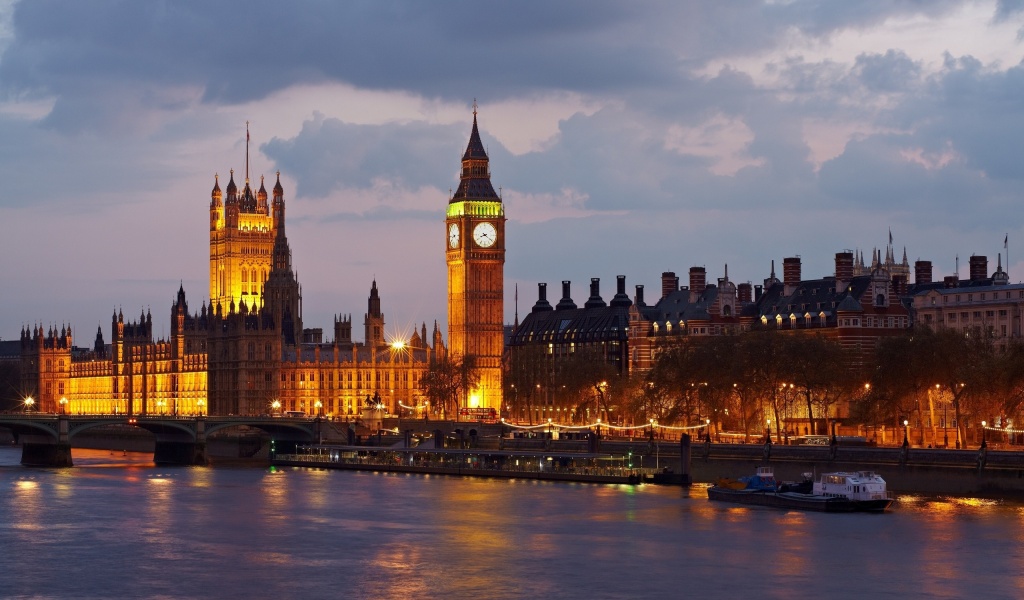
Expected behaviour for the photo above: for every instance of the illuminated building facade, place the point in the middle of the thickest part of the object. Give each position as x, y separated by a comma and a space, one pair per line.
246, 353
989, 304
475, 253
134, 374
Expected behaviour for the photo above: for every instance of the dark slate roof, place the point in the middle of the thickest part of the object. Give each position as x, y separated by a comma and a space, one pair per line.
475, 149
850, 304
813, 296
10, 350
973, 285
580, 325
677, 306
475, 188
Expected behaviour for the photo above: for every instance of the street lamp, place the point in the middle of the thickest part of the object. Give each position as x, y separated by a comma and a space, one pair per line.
63, 404
906, 426
160, 404
200, 403
768, 430
28, 403
983, 444
319, 408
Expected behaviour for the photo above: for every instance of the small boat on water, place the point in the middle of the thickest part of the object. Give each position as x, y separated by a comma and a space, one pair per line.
861, 491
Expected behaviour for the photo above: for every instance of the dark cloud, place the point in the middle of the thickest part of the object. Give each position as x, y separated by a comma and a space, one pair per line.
329, 155
893, 71
84, 53
137, 88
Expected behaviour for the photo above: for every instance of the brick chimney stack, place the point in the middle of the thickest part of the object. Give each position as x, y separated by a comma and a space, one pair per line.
899, 285
698, 282
844, 270
669, 283
791, 274
979, 267
922, 272
744, 293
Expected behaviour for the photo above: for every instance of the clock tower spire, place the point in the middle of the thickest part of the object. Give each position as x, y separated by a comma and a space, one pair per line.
475, 253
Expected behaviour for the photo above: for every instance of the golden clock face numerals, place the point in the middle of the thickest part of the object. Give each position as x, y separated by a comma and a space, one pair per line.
453, 236
485, 235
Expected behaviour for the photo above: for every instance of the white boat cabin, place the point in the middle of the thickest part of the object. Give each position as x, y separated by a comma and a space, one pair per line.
862, 485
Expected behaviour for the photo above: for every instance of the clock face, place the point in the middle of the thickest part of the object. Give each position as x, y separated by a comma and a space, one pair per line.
453, 236
485, 235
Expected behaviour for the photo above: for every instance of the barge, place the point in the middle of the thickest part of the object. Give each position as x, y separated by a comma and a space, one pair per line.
861, 491
517, 464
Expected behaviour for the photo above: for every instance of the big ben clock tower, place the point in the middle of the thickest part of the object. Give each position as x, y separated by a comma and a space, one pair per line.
475, 252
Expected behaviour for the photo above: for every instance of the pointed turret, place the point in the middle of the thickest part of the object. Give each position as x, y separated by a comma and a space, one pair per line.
216, 196
232, 189
261, 198
373, 321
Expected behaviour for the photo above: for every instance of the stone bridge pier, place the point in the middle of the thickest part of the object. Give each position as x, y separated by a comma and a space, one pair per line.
175, 447
46, 438
46, 450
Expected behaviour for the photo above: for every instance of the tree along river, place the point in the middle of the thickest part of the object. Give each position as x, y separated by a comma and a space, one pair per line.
116, 526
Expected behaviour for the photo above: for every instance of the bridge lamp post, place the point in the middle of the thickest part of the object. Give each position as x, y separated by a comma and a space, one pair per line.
984, 424
319, 408
200, 404
28, 403
63, 404
160, 404
275, 406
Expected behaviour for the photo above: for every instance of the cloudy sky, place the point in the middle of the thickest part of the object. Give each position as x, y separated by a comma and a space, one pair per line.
627, 138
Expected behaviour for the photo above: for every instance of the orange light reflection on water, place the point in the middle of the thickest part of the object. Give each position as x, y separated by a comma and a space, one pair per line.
945, 516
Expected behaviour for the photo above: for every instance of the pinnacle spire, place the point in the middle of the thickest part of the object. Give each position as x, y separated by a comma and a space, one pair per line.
475, 181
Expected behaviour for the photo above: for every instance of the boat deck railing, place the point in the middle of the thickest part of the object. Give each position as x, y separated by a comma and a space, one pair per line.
461, 460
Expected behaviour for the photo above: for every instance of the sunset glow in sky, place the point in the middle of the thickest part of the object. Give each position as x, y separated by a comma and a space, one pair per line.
627, 138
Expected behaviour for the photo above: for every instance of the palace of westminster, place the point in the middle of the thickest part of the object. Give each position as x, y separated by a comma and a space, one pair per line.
247, 352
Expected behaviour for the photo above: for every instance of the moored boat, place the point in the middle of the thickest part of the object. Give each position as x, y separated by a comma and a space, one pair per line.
861, 491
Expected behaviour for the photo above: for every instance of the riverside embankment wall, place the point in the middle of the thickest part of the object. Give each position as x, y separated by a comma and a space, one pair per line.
911, 470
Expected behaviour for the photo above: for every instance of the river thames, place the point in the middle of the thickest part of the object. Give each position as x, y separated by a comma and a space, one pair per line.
116, 526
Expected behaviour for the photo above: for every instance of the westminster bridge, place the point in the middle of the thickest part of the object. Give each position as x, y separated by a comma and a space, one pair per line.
46, 438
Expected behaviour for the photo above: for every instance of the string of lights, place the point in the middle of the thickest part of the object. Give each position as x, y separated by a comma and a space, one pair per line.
1003, 430
609, 426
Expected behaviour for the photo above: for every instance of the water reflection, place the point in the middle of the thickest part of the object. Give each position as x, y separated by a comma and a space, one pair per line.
199, 532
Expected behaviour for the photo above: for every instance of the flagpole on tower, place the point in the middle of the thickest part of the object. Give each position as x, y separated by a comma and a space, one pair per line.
247, 152
1006, 247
